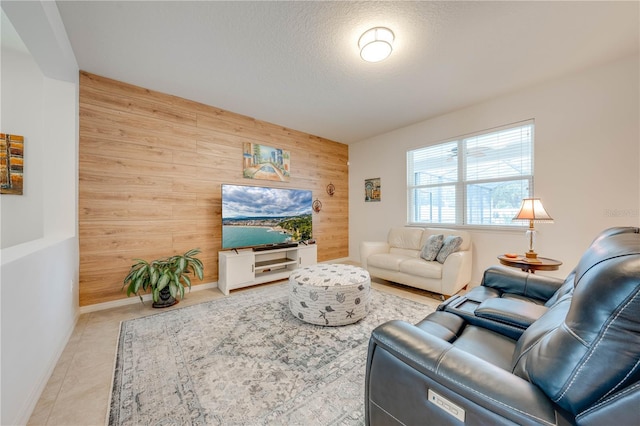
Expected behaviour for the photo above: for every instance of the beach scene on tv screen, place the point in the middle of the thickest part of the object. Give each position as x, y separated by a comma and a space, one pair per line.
255, 215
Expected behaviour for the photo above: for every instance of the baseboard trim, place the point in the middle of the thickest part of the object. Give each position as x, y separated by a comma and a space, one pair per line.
146, 297
341, 260
134, 299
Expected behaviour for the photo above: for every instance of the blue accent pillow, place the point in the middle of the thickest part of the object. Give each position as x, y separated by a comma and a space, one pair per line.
432, 247
451, 244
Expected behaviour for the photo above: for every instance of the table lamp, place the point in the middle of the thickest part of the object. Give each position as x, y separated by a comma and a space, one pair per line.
532, 210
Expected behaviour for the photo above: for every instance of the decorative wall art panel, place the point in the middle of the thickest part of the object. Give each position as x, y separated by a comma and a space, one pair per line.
372, 189
265, 162
11, 163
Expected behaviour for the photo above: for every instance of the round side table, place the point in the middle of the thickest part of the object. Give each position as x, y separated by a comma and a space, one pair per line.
543, 263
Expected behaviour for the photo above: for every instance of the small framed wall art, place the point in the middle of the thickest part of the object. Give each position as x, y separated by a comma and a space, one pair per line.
372, 190
11, 163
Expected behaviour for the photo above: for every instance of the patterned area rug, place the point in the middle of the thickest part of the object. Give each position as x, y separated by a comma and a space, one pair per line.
246, 360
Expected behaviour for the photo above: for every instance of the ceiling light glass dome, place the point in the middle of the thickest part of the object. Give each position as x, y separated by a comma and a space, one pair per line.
376, 44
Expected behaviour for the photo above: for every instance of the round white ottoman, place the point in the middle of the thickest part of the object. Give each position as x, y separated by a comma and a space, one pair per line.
329, 294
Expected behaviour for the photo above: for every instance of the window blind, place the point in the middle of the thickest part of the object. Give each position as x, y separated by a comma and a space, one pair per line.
478, 179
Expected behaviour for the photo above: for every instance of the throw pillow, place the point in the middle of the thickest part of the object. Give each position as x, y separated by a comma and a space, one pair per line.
432, 247
450, 245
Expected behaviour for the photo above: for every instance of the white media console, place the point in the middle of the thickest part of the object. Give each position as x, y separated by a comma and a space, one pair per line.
245, 267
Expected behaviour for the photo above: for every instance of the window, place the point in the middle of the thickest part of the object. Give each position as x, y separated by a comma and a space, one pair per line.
479, 179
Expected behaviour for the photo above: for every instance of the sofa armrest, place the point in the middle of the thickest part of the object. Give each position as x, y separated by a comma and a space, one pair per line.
456, 272
514, 281
404, 356
512, 312
501, 323
367, 248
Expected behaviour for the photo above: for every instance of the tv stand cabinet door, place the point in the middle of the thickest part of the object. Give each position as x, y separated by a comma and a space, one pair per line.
236, 270
307, 255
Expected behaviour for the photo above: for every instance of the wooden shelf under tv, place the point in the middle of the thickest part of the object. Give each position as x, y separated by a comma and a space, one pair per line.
274, 263
245, 267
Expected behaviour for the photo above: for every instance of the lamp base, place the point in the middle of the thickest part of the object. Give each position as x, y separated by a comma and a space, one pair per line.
532, 256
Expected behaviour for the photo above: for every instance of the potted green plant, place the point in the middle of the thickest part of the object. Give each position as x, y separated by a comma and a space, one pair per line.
166, 277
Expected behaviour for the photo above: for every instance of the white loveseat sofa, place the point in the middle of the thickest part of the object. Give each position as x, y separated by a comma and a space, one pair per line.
398, 260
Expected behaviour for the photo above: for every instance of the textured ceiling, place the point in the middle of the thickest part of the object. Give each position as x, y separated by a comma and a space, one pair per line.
296, 64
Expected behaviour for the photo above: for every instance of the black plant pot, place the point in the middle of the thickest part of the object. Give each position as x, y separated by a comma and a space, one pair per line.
165, 299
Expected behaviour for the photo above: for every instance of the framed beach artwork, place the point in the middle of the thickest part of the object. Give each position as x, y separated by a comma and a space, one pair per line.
372, 189
265, 162
11, 163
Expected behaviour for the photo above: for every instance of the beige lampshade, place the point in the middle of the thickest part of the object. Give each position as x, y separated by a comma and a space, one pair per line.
532, 210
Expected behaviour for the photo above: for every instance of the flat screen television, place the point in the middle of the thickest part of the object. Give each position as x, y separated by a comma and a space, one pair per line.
255, 216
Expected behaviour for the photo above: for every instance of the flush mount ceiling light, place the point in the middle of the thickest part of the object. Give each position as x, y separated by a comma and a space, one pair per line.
376, 44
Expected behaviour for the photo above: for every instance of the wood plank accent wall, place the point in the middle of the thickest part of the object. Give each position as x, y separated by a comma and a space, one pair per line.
150, 170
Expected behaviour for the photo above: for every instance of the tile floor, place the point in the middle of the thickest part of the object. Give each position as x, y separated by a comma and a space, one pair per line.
79, 388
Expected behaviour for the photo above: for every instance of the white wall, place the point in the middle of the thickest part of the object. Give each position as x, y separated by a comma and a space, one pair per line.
586, 162
38, 314
22, 90
39, 255
60, 163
